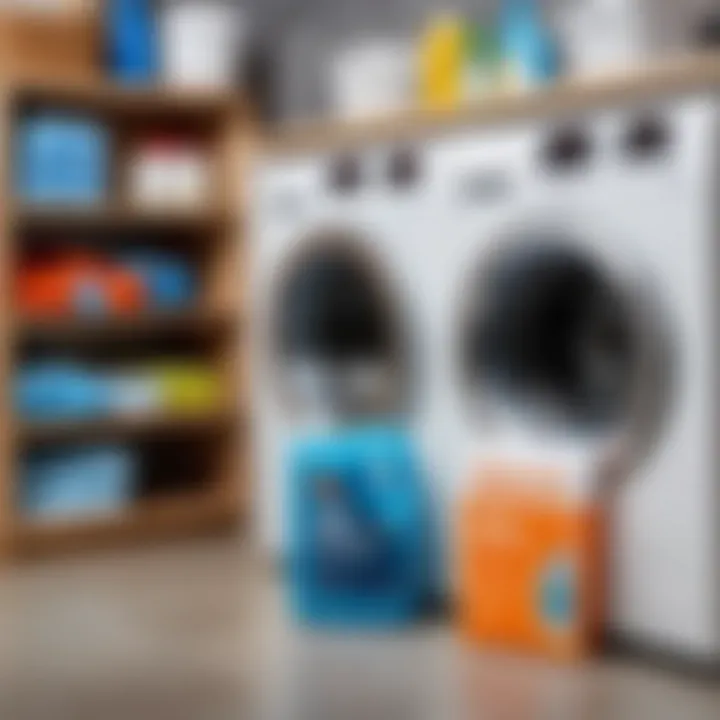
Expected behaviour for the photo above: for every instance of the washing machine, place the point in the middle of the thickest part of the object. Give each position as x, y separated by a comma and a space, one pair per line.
575, 306
550, 281
336, 313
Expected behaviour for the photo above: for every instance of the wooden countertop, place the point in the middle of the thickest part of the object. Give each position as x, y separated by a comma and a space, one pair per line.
680, 75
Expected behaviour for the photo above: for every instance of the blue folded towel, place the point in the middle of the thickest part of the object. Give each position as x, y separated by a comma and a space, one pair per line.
60, 390
77, 481
170, 280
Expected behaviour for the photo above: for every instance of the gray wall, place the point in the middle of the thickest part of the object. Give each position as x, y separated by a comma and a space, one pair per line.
304, 33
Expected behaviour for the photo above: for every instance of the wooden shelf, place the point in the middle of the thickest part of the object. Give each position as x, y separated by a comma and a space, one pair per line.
156, 519
210, 237
680, 74
105, 97
58, 217
125, 427
123, 329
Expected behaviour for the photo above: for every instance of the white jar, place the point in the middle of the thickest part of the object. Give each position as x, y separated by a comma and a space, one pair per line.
167, 173
606, 36
613, 35
202, 43
190, 185
372, 78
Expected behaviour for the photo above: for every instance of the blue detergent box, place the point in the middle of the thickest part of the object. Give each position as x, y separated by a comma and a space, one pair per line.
170, 280
75, 482
60, 390
62, 159
360, 542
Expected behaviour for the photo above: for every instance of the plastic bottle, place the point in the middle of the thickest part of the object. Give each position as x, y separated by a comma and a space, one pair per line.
442, 58
530, 52
132, 40
483, 65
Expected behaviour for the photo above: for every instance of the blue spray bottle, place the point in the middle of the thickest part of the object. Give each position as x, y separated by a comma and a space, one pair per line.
131, 36
531, 53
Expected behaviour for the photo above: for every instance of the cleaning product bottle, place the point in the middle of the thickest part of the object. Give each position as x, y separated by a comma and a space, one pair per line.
530, 52
131, 39
442, 56
483, 66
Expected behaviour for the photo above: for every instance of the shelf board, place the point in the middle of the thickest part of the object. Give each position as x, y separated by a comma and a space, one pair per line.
675, 75
126, 427
58, 217
174, 516
105, 96
122, 329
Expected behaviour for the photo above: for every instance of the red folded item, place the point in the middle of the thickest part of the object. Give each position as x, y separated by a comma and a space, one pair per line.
77, 284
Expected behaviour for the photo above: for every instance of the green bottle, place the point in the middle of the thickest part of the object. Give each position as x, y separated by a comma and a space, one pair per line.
483, 66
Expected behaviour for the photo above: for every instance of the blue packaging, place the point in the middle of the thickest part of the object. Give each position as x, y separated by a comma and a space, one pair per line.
77, 482
62, 159
360, 538
58, 390
528, 43
132, 40
170, 280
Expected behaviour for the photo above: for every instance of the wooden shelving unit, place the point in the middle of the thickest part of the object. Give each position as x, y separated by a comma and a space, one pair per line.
29, 217
124, 427
213, 238
152, 324
120, 101
184, 514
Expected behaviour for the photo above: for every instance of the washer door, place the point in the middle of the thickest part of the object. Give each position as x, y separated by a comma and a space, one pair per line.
335, 330
553, 341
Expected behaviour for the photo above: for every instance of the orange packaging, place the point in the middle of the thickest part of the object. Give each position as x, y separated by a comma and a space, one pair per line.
56, 287
529, 562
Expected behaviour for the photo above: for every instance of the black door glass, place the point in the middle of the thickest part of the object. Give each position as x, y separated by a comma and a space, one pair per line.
332, 309
548, 326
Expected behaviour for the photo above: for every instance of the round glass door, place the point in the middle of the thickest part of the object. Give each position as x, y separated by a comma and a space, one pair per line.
551, 340
336, 331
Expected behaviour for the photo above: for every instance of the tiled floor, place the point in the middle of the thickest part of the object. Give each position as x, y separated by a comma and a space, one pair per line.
198, 632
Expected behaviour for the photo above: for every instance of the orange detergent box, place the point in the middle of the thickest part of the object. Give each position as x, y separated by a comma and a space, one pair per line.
528, 556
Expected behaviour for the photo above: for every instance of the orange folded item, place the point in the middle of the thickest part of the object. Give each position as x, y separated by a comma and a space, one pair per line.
77, 285
529, 562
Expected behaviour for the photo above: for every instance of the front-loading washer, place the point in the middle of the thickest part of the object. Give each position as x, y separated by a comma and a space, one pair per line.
335, 318
577, 295
553, 280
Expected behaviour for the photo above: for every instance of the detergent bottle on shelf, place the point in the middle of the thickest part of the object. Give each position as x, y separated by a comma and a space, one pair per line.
131, 38
530, 50
441, 58
482, 73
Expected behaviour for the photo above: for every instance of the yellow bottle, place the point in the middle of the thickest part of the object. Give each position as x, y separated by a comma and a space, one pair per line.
441, 59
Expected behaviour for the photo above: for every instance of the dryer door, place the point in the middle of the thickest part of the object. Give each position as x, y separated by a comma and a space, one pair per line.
553, 341
335, 333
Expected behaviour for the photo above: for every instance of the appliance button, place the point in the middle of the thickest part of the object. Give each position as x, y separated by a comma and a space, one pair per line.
404, 168
568, 150
345, 174
648, 137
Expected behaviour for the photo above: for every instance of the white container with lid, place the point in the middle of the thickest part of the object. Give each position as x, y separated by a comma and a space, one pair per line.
169, 173
374, 77
606, 36
202, 43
